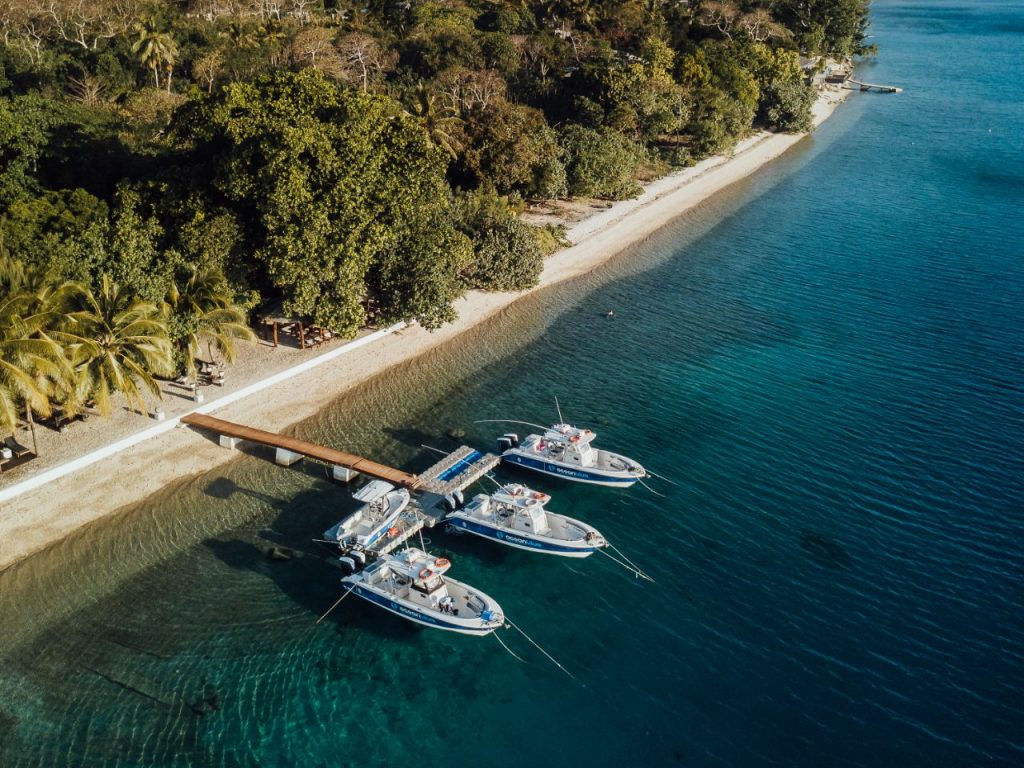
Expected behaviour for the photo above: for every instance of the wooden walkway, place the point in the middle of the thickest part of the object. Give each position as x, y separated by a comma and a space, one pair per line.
873, 86
304, 448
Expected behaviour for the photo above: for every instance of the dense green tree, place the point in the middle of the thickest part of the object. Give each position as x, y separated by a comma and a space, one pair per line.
724, 96
635, 96
506, 252
827, 26
786, 106
136, 262
66, 232
420, 278
330, 179
600, 163
24, 134
515, 150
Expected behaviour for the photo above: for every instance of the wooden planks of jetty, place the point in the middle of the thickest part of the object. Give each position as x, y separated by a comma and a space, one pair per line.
304, 448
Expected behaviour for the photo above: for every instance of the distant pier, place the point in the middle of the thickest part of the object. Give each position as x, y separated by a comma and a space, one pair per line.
870, 86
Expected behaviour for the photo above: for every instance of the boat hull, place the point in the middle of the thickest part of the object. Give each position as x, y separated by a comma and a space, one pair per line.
594, 477
514, 539
407, 611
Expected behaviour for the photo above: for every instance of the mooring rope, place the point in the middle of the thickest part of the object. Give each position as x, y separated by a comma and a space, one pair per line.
511, 652
535, 645
645, 485
336, 604
639, 570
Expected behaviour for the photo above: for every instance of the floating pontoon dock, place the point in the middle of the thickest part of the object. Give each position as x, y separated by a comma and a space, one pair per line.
456, 471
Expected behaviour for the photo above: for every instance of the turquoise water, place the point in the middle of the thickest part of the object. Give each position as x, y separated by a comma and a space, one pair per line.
828, 361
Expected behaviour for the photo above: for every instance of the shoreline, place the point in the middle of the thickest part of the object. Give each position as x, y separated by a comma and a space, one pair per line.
37, 518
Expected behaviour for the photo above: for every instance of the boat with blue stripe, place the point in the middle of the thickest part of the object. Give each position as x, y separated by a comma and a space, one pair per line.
372, 521
565, 451
412, 584
516, 516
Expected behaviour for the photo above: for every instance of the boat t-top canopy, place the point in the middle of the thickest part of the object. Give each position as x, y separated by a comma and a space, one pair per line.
373, 491
417, 565
566, 433
517, 495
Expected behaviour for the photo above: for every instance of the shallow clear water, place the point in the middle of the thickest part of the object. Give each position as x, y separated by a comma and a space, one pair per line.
827, 360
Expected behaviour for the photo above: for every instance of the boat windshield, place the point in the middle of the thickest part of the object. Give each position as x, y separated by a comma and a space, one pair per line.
429, 586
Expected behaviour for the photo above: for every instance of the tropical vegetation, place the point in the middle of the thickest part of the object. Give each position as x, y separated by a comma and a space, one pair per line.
166, 167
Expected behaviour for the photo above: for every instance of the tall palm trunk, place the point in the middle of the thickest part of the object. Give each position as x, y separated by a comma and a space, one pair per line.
31, 428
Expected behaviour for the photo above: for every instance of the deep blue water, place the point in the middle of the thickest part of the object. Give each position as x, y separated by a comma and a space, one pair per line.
828, 360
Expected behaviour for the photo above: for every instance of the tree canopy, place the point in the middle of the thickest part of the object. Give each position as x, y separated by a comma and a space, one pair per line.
364, 163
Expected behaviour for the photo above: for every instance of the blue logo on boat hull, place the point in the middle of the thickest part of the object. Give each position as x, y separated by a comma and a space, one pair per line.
579, 475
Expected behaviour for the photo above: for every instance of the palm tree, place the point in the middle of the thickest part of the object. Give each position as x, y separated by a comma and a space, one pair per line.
33, 367
441, 124
156, 50
203, 309
117, 343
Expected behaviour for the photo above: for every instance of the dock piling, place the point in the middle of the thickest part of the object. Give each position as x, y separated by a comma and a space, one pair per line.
286, 458
343, 474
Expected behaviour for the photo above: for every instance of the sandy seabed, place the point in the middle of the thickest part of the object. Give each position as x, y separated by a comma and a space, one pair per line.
37, 518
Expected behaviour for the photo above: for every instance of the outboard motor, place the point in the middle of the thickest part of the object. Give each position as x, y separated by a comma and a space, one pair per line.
504, 444
359, 556
348, 564
460, 500
512, 438
450, 504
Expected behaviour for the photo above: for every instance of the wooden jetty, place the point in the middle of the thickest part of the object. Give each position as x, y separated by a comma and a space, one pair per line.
433, 487
872, 86
293, 446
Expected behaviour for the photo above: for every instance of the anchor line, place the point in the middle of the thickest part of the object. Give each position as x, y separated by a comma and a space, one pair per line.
623, 555
645, 485
535, 645
631, 568
640, 570
511, 652
661, 477
336, 604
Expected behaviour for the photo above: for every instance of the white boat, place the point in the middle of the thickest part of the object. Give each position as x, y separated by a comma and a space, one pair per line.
372, 521
515, 515
411, 584
566, 451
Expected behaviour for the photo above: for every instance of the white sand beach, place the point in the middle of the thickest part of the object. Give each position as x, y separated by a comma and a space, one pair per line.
36, 518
